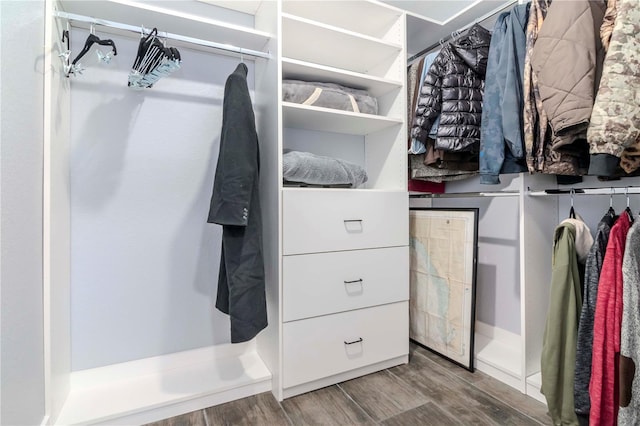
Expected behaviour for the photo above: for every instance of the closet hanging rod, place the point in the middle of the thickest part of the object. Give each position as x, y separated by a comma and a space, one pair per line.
463, 29
586, 191
466, 194
189, 40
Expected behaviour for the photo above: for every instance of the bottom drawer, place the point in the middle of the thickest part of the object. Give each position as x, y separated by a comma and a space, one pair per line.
323, 346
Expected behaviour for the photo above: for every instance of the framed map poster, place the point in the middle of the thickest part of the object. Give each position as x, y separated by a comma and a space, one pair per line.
443, 252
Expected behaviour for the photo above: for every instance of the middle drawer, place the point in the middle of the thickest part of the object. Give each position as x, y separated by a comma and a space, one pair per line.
325, 283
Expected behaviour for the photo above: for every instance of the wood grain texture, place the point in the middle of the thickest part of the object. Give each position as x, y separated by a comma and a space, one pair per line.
488, 384
382, 395
454, 395
428, 391
426, 414
327, 406
195, 418
262, 409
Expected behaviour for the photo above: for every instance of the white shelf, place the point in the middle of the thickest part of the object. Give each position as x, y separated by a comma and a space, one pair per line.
173, 21
332, 120
378, 18
311, 41
117, 393
307, 71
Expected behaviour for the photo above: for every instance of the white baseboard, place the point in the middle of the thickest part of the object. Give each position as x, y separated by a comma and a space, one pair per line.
498, 354
348, 375
533, 387
151, 389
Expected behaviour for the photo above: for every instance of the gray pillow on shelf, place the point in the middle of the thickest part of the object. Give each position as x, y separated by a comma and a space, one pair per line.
329, 95
308, 168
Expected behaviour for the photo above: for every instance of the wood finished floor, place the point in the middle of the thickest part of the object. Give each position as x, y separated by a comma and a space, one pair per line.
427, 391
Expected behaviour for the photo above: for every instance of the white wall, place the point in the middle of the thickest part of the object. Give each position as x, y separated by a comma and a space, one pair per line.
21, 334
144, 260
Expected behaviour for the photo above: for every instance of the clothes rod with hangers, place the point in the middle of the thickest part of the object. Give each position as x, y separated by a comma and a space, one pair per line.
463, 29
177, 37
624, 190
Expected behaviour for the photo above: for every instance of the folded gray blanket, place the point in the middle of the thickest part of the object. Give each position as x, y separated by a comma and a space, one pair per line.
329, 95
312, 169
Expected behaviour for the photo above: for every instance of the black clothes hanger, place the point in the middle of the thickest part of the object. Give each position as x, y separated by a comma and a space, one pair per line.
611, 212
628, 209
91, 40
153, 61
572, 212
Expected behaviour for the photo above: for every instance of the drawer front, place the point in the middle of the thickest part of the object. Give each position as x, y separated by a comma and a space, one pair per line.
323, 346
329, 220
325, 283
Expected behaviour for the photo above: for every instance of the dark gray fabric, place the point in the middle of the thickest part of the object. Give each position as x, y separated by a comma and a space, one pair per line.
235, 204
502, 137
585, 326
305, 167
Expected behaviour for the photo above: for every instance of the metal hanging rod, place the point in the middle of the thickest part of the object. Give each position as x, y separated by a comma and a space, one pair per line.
190, 40
463, 29
586, 191
466, 194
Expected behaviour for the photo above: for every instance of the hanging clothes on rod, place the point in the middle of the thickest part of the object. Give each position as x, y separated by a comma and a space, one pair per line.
584, 345
571, 244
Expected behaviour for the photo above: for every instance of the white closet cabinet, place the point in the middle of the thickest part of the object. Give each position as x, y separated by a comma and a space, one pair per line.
336, 260
344, 284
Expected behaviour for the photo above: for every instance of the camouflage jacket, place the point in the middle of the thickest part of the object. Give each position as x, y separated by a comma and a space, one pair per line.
615, 120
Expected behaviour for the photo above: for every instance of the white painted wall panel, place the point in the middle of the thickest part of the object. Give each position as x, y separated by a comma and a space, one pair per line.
144, 260
21, 333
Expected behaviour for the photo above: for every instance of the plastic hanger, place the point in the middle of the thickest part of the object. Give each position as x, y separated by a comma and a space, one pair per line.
572, 212
66, 55
628, 209
91, 40
153, 61
611, 212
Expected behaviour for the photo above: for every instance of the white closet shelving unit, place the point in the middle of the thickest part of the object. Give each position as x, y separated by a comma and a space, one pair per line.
149, 389
343, 311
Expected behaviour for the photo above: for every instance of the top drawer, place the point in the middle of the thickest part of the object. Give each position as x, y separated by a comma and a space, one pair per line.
325, 220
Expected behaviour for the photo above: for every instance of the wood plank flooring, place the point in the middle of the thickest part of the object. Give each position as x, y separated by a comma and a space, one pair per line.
427, 391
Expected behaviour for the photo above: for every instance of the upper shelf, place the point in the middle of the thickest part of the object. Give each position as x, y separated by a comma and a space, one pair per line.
300, 70
378, 20
171, 17
332, 120
315, 42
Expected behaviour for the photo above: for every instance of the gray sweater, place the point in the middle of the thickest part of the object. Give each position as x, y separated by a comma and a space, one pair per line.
585, 327
629, 413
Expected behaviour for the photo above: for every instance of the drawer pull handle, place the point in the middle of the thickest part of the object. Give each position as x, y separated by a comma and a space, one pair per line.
352, 220
355, 341
354, 281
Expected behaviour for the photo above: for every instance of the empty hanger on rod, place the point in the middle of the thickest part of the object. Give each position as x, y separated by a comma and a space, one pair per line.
176, 37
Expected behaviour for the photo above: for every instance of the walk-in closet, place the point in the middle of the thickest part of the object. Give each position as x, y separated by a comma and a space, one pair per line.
110, 267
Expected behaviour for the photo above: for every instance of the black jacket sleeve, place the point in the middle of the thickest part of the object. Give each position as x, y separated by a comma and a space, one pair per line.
430, 99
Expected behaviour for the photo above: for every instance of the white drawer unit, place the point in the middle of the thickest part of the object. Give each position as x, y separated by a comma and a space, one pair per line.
324, 220
323, 346
325, 283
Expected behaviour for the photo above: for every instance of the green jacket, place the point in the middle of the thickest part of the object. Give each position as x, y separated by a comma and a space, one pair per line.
558, 357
